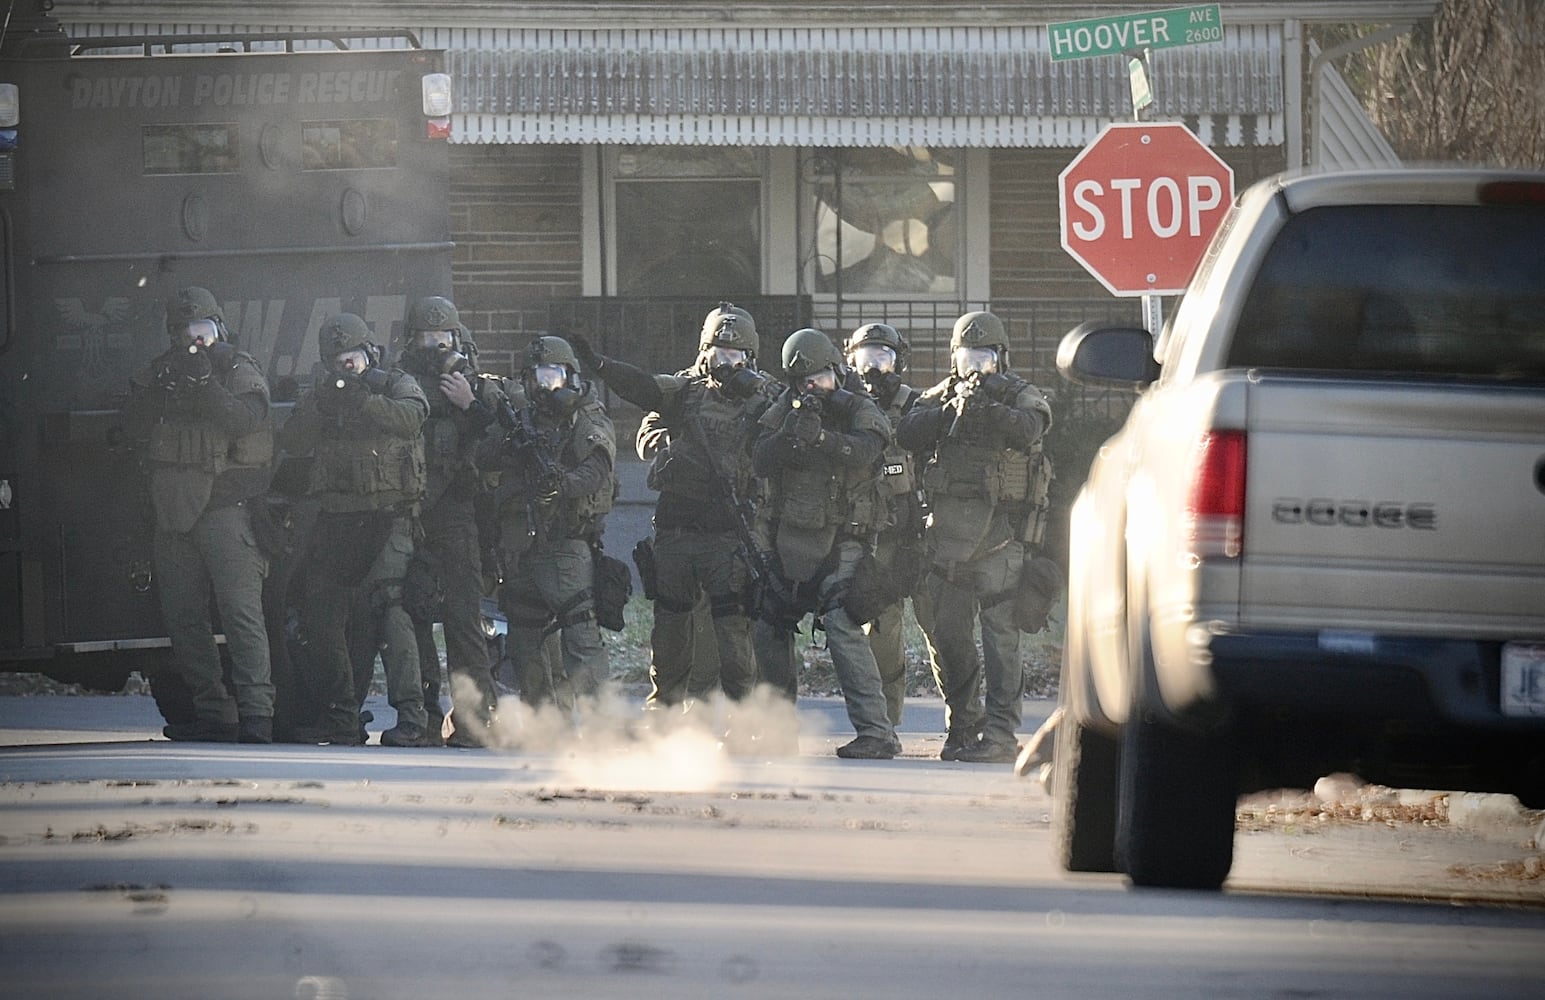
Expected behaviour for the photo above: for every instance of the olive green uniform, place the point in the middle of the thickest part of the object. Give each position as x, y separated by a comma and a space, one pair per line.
445, 583
823, 508
208, 448
546, 532
701, 458
897, 554
986, 482
368, 476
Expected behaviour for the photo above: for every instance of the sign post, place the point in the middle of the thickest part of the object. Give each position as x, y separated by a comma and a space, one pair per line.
1139, 204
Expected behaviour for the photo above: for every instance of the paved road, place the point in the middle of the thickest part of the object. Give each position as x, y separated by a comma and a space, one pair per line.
626, 865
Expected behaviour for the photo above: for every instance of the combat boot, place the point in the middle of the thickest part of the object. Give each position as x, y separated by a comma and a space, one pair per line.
869, 748
989, 752
256, 729
201, 731
955, 743
405, 734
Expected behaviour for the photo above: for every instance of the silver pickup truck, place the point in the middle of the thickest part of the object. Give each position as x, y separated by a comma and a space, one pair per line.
1318, 541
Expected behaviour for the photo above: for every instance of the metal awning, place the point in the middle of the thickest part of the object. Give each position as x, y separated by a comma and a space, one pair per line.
983, 86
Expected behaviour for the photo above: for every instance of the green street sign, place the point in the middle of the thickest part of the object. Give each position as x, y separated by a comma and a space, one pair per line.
1157, 29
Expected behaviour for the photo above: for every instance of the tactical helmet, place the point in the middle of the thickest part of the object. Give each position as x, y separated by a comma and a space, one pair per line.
344, 332
881, 333
981, 329
728, 325
190, 305
548, 350
433, 312
808, 351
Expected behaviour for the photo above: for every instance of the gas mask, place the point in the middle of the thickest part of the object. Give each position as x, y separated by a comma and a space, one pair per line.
876, 365
434, 353
723, 364
552, 386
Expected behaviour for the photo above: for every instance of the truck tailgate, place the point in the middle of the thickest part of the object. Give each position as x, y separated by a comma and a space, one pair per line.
1410, 507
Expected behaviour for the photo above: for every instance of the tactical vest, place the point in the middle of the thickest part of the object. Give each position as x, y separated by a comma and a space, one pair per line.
356, 459
447, 454
973, 466
821, 492
682, 465
898, 469
193, 443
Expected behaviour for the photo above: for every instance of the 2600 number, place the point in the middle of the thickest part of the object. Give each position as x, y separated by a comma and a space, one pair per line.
1212, 34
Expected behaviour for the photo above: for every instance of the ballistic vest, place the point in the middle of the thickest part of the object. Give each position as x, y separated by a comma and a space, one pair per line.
358, 466
980, 476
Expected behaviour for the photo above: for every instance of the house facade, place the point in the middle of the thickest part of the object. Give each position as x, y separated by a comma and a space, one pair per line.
617, 168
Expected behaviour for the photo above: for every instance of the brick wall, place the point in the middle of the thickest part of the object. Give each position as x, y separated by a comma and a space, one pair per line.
515, 218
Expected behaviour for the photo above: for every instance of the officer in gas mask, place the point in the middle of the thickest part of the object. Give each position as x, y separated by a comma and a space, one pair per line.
555, 465
199, 412
878, 354
979, 433
819, 447
445, 578
362, 423
696, 434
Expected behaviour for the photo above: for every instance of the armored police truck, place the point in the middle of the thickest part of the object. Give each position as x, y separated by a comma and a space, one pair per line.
294, 175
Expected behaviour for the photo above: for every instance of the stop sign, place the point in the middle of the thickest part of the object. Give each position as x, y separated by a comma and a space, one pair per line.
1139, 205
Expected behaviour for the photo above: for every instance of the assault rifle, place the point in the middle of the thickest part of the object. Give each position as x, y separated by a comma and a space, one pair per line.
525, 444
758, 563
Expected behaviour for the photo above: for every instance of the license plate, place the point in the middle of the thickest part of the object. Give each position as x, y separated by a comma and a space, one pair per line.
1523, 679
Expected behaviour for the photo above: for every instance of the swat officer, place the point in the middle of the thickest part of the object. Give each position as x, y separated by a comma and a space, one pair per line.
818, 447
697, 431
878, 354
445, 578
200, 412
363, 426
979, 431
557, 481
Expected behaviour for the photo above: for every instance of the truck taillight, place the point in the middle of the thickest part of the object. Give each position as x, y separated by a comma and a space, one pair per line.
1215, 504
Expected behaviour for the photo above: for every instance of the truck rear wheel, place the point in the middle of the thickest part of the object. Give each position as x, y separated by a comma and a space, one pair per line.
1175, 825
1084, 776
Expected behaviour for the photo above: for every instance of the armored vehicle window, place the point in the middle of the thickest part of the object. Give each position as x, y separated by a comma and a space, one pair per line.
341, 145
190, 149
1401, 289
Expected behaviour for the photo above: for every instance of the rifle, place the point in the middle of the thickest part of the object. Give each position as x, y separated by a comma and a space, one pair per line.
525, 445
963, 400
758, 563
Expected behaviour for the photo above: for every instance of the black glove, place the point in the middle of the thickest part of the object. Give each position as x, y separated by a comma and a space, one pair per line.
375, 379
585, 352
193, 365
222, 356
807, 426
167, 377
550, 488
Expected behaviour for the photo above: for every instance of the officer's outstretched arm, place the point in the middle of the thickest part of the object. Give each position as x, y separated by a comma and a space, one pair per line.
631, 383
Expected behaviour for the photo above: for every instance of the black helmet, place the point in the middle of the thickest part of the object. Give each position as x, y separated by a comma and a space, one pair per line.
345, 332
728, 325
808, 351
189, 306
883, 334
